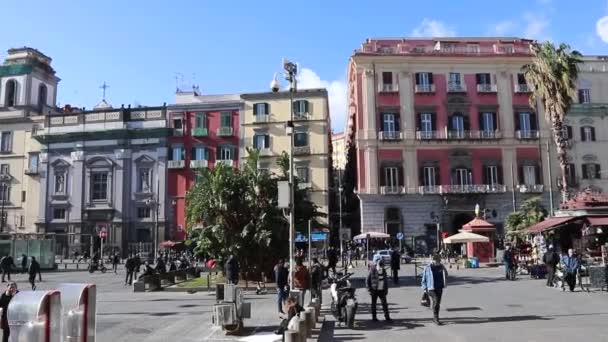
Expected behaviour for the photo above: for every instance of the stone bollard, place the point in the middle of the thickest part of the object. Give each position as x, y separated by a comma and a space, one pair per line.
310, 323
291, 336
315, 316
302, 328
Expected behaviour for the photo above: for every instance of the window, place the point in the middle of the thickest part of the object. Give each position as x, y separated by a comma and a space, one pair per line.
226, 119
178, 153
23, 196
584, 96
302, 174
143, 212
200, 120
461, 176
488, 124
261, 141
260, 109
200, 153
426, 122
178, 122
5, 192
59, 214
5, 169
225, 153
300, 138
21, 221
387, 78
300, 107
99, 186
424, 78
388, 122
525, 124
10, 99
571, 174
429, 176
491, 175
32, 163
587, 133
144, 180
473, 48
6, 142
567, 132
591, 171
529, 174
60, 182
521, 79
41, 97
454, 78
457, 123
391, 176
484, 79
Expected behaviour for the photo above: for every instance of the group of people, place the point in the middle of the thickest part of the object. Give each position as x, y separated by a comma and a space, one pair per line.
7, 264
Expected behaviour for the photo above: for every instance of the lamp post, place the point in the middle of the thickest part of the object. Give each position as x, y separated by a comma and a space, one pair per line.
153, 203
290, 72
340, 189
4, 180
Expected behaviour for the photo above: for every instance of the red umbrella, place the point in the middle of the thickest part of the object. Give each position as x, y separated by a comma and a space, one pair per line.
167, 243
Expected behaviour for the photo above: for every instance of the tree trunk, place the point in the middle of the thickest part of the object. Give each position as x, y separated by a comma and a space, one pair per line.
557, 126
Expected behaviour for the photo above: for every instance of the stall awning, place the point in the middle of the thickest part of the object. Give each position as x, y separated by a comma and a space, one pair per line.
598, 220
548, 224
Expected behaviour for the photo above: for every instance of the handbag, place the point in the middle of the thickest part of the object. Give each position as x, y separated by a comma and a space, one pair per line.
425, 300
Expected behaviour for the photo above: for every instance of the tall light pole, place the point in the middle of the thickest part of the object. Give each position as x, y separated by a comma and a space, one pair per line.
340, 189
4, 180
290, 72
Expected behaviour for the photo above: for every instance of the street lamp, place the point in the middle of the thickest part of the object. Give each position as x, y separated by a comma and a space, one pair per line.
152, 202
290, 72
340, 189
4, 181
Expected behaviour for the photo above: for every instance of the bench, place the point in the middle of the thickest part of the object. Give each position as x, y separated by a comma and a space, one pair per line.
154, 282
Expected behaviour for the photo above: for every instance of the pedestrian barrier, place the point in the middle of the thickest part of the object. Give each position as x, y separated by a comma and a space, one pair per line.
79, 311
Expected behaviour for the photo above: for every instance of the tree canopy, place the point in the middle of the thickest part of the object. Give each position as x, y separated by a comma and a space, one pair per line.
530, 212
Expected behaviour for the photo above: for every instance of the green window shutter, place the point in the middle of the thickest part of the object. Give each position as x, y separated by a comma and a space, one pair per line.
267, 108
255, 141
255, 109
267, 141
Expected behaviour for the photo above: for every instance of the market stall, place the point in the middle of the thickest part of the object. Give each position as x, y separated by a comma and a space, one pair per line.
482, 250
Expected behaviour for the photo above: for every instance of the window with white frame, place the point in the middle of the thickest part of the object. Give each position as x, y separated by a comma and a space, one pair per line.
388, 122
461, 176
260, 108
458, 123
491, 174
426, 122
226, 119
5, 169
391, 175
59, 214
584, 96
591, 171
525, 124
178, 122
302, 173
143, 212
424, 78
587, 133
32, 162
300, 138
6, 141
429, 175
178, 152
61, 181
300, 107
99, 186
387, 78
529, 174
261, 141
487, 120
200, 120
200, 153
473, 48
5, 192
225, 152
454, 78
10, 99
144, 180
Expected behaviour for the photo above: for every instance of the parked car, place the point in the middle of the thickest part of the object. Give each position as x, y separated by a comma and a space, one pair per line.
406, 258
384, 254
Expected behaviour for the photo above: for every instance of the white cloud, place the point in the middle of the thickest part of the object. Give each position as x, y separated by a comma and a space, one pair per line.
336, 90
536, 25
601, 28
433, 28
504, 28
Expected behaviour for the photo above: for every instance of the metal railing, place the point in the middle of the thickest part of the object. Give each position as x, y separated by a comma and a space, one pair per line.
262, 118
176, 164
528, 134
429, 189
454, 87
462, 189
390, 135
424, 88
391, 190
225, 131
301, 116
305, 185
530, 188
523, 88
227, 162
301, 150
487, 88
429, 135
200, 132
198, 164
382, 87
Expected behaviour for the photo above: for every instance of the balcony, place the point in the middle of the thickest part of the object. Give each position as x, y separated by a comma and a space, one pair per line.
530, 188
176, 164
473, 189
178, 132
301, 116
261, 118
424, 88
200, 132
265, 151
390, 135
523, 88
474, 135
454, 87
225, 131
429, 189
429, 135
391, 190
300, 150
527, 135
459, 135
198, 164
487, 88
388, 88
226, 162
305, 185
32, 171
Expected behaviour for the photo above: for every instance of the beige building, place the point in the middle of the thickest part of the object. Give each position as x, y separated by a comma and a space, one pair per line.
27, 91
263, 125
338, 152
587, 127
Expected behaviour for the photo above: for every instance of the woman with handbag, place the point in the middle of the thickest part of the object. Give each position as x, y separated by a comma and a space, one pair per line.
434, 280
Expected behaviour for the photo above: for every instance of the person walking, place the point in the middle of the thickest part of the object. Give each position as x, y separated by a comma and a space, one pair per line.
172, 265
32, 271
136, 265
316, 277
395, 265
129, 268
434, 280
551, 259
508, 259
232, 270
5, 299
332, 260
301, 278
115, 262
281, 275
23, 263
6, 263
161, 267
377, 285
572, 266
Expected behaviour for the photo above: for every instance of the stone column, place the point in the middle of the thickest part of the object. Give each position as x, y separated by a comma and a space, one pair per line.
76, 186
121, 193
371, 158
505, 103
369, 105
410, 170
44, 195
406, 99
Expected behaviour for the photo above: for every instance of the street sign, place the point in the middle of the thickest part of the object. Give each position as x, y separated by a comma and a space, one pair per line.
103, 233
399, 236
345, 234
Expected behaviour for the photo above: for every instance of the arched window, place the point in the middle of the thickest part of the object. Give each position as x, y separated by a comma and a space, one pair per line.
10, 99
42, 92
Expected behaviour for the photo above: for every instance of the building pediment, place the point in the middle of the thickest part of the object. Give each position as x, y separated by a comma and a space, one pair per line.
99, 162
145, 159
60, 164
589, 158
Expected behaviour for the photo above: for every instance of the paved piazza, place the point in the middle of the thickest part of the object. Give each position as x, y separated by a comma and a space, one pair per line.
478, 306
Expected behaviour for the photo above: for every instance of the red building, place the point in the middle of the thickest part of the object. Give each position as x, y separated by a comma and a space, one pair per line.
205, 133
439, 125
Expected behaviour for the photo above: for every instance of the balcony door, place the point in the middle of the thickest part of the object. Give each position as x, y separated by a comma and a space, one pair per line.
388, 123
457, 125
529, 174
391, 175
525, 124
491, 175
429, 176
488, 123
461, 177
454, 78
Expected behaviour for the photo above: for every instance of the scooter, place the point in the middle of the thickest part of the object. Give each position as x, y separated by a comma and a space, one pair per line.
96, 266
343, 300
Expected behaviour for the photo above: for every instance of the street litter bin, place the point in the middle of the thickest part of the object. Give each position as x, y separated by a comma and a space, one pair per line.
79, 312
35, 316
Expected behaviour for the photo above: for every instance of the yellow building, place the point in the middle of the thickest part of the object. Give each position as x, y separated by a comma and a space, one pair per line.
338, 151
263, 127
27, 91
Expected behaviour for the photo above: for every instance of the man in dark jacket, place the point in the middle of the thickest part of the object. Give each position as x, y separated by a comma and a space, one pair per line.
129, 268
508, 259
115, 262
33, 271
5, 299
7, 264
377, 285
280, 275
23, 263
136, 265
161, 267
395, 265
232, 270
551, 259
316, 273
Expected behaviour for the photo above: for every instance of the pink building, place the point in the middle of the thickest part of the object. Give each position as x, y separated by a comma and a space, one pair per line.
439, 125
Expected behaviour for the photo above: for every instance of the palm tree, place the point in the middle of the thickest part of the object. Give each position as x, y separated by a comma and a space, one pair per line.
553, 74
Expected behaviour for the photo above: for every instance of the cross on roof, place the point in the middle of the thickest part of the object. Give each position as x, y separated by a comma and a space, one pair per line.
104, 86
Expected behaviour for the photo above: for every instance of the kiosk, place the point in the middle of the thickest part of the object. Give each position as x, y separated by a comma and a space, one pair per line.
35, 316
79, 312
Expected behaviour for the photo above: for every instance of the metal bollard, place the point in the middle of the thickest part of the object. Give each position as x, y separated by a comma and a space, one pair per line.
302, 329
315, 317
291, 336
310, 323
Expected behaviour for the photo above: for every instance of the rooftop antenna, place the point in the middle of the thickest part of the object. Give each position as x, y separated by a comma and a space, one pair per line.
104, 86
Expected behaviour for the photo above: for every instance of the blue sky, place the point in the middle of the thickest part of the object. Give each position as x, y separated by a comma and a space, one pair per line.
138, 47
